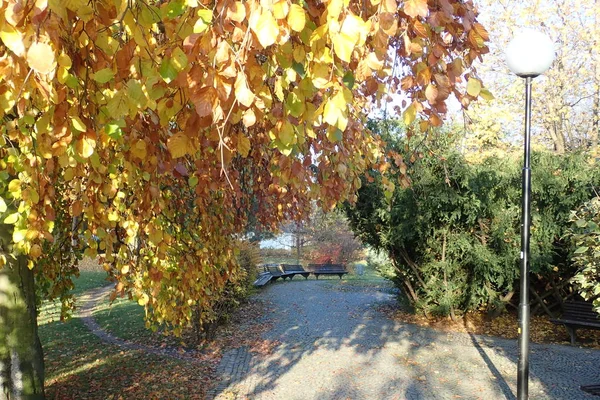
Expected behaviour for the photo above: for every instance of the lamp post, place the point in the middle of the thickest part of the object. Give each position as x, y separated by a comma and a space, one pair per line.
528, 55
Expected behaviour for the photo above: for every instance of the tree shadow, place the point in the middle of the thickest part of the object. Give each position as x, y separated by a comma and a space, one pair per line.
333, 343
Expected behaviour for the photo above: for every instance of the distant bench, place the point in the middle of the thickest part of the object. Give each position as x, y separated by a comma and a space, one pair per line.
327, 269
292, 270
578, 315
272, 272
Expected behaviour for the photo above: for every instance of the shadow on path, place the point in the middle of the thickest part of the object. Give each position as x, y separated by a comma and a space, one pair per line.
334, 344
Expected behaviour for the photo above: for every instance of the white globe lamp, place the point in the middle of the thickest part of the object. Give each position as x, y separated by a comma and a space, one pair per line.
530, 53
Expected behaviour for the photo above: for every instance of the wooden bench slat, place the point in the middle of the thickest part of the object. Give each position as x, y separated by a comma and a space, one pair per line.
578, 315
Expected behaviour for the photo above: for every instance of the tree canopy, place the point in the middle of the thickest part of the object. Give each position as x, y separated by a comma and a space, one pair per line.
146, 131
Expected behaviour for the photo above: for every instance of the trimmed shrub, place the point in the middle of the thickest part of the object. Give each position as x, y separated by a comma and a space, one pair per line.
453, 236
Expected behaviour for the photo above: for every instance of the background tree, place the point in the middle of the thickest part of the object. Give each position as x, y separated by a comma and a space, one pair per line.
144, 132
565, 105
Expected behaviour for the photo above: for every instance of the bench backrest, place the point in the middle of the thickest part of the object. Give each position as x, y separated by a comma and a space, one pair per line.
274, 270
580, 311
292, 268
327, 267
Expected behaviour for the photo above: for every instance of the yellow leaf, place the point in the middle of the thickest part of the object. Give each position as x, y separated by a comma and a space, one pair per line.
143, 300
41, 58
331, 112
11, 219
431, 93
204, 21
85, 147
354, 27
243, 145
78, 124
117, 105
296, 18
266, 29
473, 87
3, 206
179, 60
409, 115
320, 75
12, 39
334, 8
242, 92
281, 9
286, 133
14, 186
73, 5
139, 149
178, 145
343, 45
19, 235
486, 95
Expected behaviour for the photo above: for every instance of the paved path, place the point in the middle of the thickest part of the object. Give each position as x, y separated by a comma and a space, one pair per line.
335, 345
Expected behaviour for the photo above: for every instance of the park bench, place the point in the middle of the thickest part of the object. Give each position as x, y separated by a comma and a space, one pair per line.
591, 389
291, 270
276, 272
578, 315
327, 269
263, 278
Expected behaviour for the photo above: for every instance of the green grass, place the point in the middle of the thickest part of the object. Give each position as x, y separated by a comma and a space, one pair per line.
79, 365
89, 280
124, 318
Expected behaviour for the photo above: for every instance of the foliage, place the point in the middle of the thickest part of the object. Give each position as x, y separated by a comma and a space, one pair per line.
147, 132
381, 263
585, 237
454, 235
330, 239
566, 99
249, 258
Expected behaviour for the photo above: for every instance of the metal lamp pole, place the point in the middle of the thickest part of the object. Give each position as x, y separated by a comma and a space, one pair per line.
523, 368
528, 55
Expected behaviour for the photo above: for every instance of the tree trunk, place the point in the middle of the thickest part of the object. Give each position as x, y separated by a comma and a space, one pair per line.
21, 357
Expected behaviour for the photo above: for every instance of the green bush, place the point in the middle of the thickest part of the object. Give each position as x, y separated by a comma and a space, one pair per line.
585, 238
453, 236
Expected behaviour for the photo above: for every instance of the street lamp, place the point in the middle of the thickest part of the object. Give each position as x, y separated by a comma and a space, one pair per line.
528, 55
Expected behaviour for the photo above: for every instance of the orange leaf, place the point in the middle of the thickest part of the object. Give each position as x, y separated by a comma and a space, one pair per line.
416, 8
41, 58
205, 100
236, 11
431, 93
243, 145
481, 31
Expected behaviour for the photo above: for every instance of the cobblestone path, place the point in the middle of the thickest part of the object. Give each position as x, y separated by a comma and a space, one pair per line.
334, 344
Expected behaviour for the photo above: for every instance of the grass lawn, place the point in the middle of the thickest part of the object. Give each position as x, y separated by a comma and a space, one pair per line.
80, 366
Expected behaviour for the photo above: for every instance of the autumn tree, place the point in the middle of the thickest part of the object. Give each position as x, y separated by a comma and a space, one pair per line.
566, 106
144, 132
